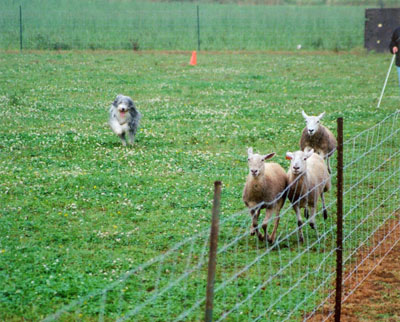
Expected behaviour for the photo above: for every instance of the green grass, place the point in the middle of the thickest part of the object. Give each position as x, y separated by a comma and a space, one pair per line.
78, 210
137, 25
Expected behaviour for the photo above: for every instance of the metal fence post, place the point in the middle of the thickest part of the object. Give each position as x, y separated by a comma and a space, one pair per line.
212, 261
339, 232
198, 29
20, 28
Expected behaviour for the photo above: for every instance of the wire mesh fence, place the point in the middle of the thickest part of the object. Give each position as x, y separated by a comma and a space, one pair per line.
372, 197
177, 26
371, 203
255, 280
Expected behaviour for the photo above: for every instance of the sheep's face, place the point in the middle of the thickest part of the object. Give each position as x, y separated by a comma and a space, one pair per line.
312, 122
298, 164
256, 162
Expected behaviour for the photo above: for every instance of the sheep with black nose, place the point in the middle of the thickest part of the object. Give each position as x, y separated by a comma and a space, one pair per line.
265, 188
308, 179
318, 137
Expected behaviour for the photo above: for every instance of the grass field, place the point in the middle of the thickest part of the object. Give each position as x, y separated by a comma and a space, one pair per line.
173, 26
77, 209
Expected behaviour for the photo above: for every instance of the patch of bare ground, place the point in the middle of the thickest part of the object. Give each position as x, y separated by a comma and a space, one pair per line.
372, 283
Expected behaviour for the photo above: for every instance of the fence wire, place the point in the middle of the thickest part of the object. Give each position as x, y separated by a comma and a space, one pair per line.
131, 25
285, 281
371, 203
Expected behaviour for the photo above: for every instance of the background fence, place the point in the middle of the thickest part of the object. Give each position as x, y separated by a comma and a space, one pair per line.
285, 281
177, 26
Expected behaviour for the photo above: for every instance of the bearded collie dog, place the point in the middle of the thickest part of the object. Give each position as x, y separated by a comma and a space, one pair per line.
124, 118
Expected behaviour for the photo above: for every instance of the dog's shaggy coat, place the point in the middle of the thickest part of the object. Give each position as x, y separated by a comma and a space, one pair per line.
124, 118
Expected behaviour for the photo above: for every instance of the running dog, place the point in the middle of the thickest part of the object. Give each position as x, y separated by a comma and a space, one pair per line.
124, 118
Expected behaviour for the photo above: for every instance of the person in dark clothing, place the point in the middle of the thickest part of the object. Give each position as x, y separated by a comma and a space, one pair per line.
395, 48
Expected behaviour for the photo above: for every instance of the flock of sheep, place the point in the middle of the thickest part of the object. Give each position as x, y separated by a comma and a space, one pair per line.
268, 185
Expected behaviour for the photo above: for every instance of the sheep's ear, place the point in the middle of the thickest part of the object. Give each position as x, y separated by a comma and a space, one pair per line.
268, 156
250, 151
304, 115
321, 115
309, 153
289, 155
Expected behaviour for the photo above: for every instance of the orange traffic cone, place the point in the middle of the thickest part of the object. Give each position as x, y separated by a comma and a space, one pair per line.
193, 60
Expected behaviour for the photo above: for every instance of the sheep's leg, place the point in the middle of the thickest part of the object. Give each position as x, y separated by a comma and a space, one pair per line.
306, 214
299, 222
268, 214
254, 216
328, 164
271, 239
324, 211
254, 229
313, 210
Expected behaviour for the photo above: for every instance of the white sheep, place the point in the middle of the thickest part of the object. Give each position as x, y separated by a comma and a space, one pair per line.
318, 137
265, 188
308, 179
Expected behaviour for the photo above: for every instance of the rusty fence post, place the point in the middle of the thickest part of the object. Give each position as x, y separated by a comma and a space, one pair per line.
339, 231
212, 260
